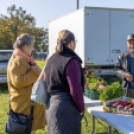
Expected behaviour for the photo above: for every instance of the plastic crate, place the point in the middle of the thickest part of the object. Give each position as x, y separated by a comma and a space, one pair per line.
86, 92
94, 95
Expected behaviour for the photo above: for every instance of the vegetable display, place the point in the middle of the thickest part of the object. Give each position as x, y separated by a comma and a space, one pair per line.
97, 88
94, 82
122, 105
112, 91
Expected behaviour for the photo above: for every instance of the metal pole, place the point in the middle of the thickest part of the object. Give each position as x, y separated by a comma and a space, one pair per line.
77, 4
93, 128
109, 130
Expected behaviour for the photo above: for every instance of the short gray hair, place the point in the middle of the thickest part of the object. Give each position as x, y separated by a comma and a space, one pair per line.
22, 40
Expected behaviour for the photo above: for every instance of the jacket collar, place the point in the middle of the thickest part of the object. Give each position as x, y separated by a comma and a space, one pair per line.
72, 53
128, 56
128, 53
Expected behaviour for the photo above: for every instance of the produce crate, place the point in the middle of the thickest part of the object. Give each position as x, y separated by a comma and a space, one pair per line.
108, 109
94, 95
86, 92
118, 111
91, 94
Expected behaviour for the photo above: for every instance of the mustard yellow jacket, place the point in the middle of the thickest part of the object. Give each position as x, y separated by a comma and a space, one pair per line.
21, 76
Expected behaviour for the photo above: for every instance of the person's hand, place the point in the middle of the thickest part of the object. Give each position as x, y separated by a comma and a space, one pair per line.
129, 77
81, 113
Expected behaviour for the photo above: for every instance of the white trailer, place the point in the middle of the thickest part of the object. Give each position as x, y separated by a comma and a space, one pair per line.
101, 35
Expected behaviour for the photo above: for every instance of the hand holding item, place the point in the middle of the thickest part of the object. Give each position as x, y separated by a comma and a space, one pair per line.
129, 77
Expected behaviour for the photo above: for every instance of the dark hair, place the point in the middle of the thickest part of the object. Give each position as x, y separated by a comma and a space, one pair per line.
64, 38
22, 40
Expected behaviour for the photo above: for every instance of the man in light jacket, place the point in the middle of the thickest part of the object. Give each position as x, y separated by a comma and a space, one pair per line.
124, 67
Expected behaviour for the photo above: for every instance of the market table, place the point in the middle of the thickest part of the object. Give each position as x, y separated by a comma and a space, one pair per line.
123, 123
88, 102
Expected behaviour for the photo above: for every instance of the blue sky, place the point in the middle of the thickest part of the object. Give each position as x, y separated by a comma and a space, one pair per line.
46, 10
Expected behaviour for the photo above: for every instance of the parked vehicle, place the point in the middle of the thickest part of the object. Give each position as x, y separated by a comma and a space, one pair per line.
4, 57
100, 36
39, 55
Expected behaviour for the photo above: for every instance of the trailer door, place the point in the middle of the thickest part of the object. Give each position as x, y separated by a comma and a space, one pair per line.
97, 36
121, 25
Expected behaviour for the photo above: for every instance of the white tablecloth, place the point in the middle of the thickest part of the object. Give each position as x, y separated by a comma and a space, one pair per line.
123, 123
91, 103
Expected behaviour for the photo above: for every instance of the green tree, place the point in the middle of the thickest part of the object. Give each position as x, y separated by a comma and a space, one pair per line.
16, 23
6, 37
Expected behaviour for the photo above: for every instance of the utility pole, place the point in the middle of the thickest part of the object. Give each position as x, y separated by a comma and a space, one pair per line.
77, 4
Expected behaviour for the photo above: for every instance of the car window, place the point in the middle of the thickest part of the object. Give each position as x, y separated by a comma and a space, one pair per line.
5, 56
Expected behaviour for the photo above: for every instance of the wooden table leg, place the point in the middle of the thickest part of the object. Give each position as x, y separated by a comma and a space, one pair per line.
93, 128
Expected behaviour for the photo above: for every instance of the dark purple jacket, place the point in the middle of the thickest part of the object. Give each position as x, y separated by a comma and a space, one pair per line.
73, 75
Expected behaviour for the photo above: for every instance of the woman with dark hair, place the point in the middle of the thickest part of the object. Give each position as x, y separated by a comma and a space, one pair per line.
65, 84
22, 72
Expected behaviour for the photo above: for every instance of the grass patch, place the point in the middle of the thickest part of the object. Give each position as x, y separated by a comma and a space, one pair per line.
3, 106
41, 64
4, 109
